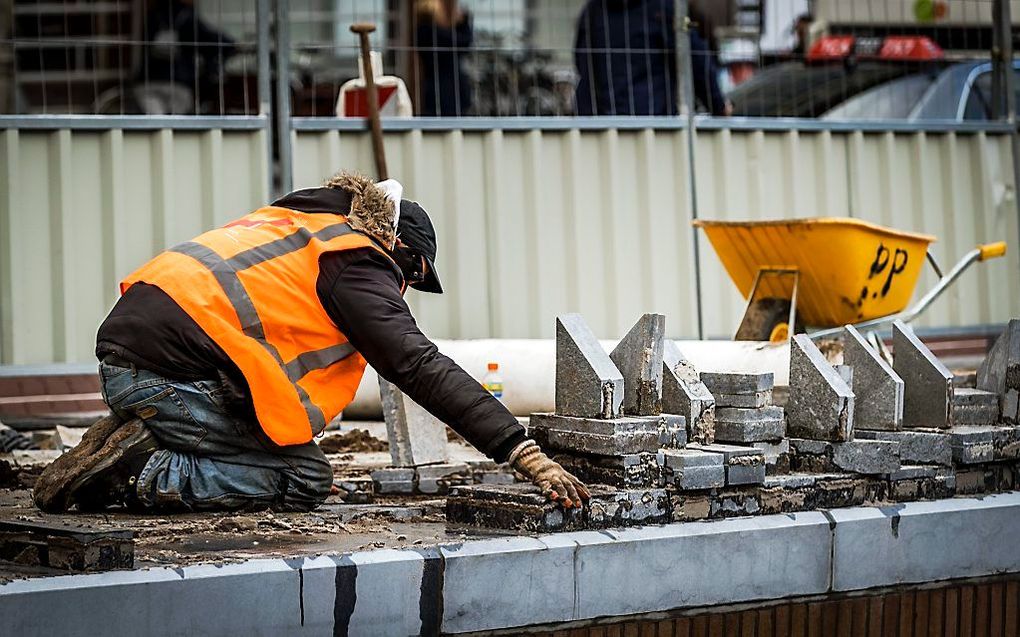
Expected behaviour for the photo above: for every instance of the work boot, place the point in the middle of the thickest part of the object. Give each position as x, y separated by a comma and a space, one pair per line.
113, 478
50, 492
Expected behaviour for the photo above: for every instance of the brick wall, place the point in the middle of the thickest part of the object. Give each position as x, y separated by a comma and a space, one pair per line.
976, 609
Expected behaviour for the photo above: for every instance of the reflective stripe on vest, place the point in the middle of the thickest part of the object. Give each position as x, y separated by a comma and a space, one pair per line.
225, 271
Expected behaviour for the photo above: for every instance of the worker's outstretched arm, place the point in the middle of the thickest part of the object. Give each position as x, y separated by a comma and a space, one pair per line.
361, 294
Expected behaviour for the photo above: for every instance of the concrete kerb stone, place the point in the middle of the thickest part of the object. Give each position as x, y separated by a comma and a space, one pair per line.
926, 541
683, 393
916, 446
588, 383
638, 356
927, 383
876, 380
416, 437
857, 456
821, 404
1000, 371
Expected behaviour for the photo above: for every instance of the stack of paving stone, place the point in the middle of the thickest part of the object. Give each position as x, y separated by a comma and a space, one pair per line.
745, 415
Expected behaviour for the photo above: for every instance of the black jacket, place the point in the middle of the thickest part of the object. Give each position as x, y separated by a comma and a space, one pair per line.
360, 291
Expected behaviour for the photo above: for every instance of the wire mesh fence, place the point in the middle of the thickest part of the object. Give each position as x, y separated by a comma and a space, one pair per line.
912, 60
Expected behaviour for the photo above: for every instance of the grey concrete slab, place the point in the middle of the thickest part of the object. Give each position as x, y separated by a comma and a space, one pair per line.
926, 541
856, 456
757, 400
387, 593
588, 383
617, 436
1000, 371
975, 406
507, 582
638, 356
416, 437
680, 564
927, 383
691, 469
821, 404
916, 445
877, 388
626, 471
683, 393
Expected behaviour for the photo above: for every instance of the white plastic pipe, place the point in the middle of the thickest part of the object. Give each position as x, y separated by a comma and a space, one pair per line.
528, 368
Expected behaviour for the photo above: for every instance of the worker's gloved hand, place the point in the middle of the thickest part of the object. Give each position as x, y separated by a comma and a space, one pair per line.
555, 482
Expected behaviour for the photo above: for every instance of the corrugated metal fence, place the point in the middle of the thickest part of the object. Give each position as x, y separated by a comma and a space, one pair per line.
532, 222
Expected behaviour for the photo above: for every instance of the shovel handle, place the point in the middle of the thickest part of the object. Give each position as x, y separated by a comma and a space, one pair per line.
992, 250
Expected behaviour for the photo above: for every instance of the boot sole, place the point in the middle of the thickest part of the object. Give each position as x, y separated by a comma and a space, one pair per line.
117, 444
51, 489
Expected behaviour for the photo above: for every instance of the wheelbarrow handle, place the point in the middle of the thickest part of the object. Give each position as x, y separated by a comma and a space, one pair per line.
992, 250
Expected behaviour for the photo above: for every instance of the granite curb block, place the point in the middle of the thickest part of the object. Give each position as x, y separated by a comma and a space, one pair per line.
549, 578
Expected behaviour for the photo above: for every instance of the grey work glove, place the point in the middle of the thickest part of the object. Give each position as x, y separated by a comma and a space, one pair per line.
555, 482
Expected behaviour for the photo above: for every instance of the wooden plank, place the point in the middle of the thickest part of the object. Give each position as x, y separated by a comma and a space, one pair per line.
630, 629
766, 622
830, 617
891, 615
907, 614
982, 600
582, 632
782, 623
748, 623
952, 623
922, 602
859, 619
699, 627
614, 630
798, 620
682, 627
1011, 625
814, 619
665, 629
966, 611
731, 624
845, 618
716, 626
936, 613
648, 629
597, 631
997, 591
876, 611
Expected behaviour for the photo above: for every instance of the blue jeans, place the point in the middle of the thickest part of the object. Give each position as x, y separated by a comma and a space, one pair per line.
210, 459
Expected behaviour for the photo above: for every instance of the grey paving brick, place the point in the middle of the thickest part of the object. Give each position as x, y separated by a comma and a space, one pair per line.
821, 404
672, 430
916, 445
639, 470
416, 437
878, 389
756, 400
683, 393
927, 383
857, 456
737, 383
975, 406
439, 478
744, 465
588, 383
692, 469
1000, 371
638, 356
733, 424
617, 436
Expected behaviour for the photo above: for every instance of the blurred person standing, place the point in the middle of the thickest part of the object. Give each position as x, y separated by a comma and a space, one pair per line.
625, 53
443, 37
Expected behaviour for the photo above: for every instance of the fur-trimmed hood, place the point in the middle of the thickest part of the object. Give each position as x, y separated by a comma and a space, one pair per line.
371, 211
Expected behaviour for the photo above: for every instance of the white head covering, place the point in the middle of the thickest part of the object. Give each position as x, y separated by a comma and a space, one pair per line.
394, 192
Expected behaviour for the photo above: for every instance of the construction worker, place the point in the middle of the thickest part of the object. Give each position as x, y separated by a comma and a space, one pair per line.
226, 355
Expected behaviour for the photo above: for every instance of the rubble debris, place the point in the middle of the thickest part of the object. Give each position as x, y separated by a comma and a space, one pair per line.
877, 387
588, 383
683, 393
416, 437
638, 356
820, 404
1000, 372
353, 441
927, 383
66, 547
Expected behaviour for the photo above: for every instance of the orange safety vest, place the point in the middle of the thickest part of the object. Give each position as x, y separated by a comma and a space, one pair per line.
250, 286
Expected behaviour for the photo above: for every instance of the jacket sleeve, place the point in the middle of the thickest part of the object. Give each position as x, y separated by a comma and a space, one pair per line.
361, 294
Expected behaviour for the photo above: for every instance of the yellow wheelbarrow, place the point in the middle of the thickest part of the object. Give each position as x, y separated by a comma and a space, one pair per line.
827, 273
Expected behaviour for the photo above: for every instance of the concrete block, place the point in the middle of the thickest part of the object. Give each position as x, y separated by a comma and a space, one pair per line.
916, 445
920, 482
757, 400
691, 469
765, 558
65, 547
744, 465
683, 393
733, 424
1000, 371
640, 470
439, 478
927, 383
588, 383
874, 380
393, 481
777, 455
733, 383
857, 456
925, 542
531, 572
973, 444
416, 437
613, 437
975, 406
638, 356
734, 502
820, 405
672, 430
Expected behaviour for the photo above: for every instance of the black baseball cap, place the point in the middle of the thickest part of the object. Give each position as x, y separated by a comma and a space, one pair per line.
416, 232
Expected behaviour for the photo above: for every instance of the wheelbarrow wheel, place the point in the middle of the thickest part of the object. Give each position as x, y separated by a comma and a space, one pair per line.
767, 320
